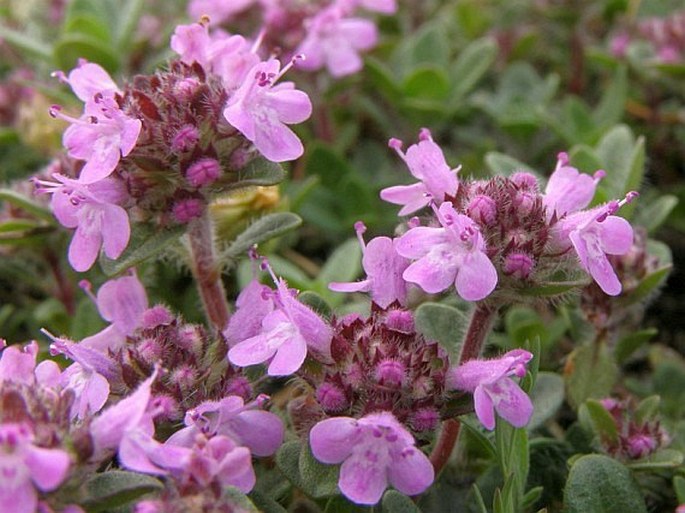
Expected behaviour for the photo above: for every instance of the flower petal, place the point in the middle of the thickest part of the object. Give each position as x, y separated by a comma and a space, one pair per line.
411, 472
477, 277
511, 403
332, 440
485, 409
363, 476
48, 466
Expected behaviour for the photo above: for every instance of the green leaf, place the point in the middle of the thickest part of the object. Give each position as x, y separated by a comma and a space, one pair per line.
239, 500
73, 46
394, 502
24, 203
473, 62
343, 265
89, 26
128, 22
476, 433
599, 484
295, 276
631, 342
679, 487
547, 396
301, 468
328, 165
427, 82
616, 153
551, 289
647, 409
146, 242
603, 423
315, 302
589, 372
444, 324
662, 459
263, 229
647, 286
115, 488
26, 44
653, 213
258, 172
265, 503
501, 164
611, 107
320, 480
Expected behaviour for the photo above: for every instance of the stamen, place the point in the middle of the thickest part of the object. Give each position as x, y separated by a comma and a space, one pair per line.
425, 135
360, 229
87, 287
298, 57
562, 160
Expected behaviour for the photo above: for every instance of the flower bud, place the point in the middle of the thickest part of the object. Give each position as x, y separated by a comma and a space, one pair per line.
390, 373
331, 398
518, 265
203, 172
482, 209
187, 209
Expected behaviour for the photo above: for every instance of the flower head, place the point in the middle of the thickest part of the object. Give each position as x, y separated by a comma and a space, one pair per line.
492, 388
261, 110
101, 136
384, 268
93, 209
452, 254
25, 467
595, 234
426, 162
568, 190
286, 334
374, 451
334, 41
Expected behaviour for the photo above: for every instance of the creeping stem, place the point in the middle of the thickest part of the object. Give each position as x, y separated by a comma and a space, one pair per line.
482, 319
207, 271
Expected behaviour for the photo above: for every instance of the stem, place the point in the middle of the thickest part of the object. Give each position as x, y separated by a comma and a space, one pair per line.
480, 325
65, 289
207, 271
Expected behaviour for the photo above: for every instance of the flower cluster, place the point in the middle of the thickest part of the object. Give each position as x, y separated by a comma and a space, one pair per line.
329, 33
637, 437
159, 148
495, 236
666, 36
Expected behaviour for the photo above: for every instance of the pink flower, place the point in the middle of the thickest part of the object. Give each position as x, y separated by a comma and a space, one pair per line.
17, 365
335, 41
261, 110
121, 301
493, 389
595, 234
229, 56
427, 163
285, 337
87, 80
93, 209
384, 268
101, 136
568, 190
374, 451
260, 431
253, 304
25, 467
453, 254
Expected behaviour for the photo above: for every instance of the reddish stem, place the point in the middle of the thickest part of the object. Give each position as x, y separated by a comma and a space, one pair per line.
480, 325
207, 271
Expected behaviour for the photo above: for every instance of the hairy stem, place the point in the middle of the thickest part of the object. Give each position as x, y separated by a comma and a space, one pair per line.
207, 272
480, 325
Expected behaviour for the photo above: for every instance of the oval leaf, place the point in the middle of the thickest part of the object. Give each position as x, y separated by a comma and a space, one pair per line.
599, 484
